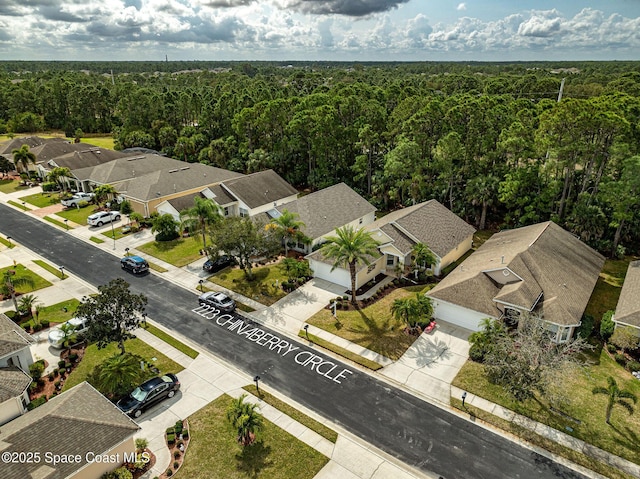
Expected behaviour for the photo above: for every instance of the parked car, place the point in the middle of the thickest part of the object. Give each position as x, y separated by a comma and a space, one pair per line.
134, 264
215, 265
148, 394
56, 336
217, 300
103, 217
77, 198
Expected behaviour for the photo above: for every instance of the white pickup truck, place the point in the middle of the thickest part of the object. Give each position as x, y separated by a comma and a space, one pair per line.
77, 198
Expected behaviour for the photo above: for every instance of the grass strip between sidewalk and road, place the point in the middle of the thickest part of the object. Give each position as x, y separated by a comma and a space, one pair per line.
18, 205
167, 338
345, 353
157, 267
57, 223
214, 451
96, 240
7, 243
51, 269
545, 443
293, 413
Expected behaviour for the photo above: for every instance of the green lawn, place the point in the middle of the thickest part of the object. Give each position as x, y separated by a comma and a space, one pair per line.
11, 186
117, 231
179, 252
95, 239
41, 200
213, 452
607, 291
293, 413
51, 269
621, 438
262, 288
372, 327
56, 222
7, 243
157, 267
19, 205
78, 216
101, 141
21, 272
94, 356
56, 312
167, 338
345, 353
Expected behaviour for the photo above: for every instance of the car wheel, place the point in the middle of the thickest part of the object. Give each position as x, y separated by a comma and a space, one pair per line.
117, 218
123, 266
138, 413
171, 394
136, 271
100, 223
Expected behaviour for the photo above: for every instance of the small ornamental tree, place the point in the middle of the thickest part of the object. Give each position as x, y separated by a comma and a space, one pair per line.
607, 326
112, 314
616, 396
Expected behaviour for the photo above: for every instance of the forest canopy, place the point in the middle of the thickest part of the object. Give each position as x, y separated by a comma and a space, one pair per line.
492, 141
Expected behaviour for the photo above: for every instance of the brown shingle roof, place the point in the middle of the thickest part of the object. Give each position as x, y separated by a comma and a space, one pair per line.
261, 188
12, 337
13, 382
325, 210
628, 309
78, 421
545, 256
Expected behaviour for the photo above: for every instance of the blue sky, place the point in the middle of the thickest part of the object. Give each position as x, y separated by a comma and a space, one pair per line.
367, 30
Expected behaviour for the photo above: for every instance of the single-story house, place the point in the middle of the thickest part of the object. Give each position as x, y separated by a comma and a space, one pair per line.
326, 210
430, 223
38, 146
247, 195
628, 309
81, 423
15, 359
148, 180
540, 269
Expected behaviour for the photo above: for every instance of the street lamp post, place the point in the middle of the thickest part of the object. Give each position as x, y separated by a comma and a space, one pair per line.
113, 234
256, 379
200, 285
126, 252
61, 272
9, 240
306, 331
66, 224
464, 398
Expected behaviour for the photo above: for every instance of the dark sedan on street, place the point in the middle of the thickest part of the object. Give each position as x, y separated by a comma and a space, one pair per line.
149, 394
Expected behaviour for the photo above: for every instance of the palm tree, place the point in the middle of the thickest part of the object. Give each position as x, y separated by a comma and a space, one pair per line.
200, 216
288, 226
10, 283
28, 303
245, 419
424, 306
616, 396
350, 247
483, 191
57, 174
422, 255
118, 374
23, 157
103, 193
405, 310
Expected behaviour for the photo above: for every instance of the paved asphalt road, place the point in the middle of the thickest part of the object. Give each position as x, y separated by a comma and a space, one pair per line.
404, 426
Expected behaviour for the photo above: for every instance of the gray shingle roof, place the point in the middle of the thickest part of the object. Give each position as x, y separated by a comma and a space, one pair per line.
78, 421
261, 188
12, 337
325, 210
55, 149
628, 309
87, 157
223, 197
13, 382
545, 256
16, 143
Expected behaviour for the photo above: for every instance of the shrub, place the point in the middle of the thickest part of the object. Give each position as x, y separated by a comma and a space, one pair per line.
621, 359
171, 438
169, 473
61, 363
176, 454
345, 297
607, 326
72, 357
50, 376
185, 434
55, 372
36, 370
36, 402
12, 315
178, 428
633, 366
37, 327
82, 203
45, 323
141, 444
586, 326
120, 473
49, 186
176, 464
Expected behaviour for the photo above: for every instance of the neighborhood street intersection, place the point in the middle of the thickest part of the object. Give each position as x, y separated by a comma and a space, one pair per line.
408, 428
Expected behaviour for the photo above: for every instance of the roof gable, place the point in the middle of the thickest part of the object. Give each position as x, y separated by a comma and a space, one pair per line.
12, 337
330, 208
261, 188
628, 308
13, 382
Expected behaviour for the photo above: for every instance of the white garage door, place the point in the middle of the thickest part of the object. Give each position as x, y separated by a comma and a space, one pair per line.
323, 271
457, 315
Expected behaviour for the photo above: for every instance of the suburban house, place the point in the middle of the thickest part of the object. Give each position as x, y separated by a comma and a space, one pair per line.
540, 269
628, 309
430, 223
80, 422
246, 195
324, 211
32, 142
148, 180
15, 359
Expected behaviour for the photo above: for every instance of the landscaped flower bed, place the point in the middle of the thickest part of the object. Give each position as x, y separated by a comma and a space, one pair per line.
177, 438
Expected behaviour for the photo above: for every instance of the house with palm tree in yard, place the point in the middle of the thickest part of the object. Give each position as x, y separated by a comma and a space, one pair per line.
428, 225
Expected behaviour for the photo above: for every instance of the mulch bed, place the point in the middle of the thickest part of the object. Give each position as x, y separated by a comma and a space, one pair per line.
178, 450
52, 387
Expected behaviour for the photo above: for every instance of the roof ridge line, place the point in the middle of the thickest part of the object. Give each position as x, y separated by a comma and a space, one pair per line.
539, 234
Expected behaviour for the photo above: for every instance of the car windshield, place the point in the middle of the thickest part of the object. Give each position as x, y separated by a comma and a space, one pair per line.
138, 394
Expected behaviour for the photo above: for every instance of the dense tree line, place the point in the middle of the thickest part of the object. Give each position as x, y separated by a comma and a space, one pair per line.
489, 140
